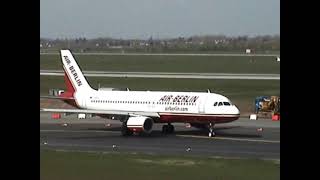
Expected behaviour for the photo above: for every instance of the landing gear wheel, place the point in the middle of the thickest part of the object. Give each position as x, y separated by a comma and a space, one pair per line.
126, 132
211, 134
168, 129
165, 129
171, 129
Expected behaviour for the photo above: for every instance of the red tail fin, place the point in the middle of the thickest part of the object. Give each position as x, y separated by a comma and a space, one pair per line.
68, 95
68, 84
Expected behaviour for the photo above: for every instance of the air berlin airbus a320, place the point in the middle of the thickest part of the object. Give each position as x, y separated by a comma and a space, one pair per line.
139, 110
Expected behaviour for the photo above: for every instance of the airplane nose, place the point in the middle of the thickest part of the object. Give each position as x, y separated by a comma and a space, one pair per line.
236, 110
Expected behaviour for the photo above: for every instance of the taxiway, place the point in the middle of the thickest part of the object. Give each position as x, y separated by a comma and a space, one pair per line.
242, 138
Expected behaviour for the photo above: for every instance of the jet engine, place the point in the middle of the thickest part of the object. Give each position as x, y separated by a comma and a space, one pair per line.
140, 124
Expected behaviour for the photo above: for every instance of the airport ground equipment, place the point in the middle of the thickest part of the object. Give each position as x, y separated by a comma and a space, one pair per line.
267, 104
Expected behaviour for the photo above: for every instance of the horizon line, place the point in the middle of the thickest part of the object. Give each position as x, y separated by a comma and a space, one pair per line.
175, 37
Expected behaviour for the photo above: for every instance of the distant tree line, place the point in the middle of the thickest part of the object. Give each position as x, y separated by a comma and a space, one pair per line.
181, 44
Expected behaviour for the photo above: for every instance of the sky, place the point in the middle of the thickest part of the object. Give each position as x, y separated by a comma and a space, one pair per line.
141, 19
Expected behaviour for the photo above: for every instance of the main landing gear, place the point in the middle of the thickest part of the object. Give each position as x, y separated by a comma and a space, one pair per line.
168, 129
211, 133
125, 131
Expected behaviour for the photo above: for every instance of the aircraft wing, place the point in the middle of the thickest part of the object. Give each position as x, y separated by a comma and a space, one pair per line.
109, 112
57, 97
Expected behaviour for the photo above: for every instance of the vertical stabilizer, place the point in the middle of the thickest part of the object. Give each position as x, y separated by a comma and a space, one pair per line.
73, 73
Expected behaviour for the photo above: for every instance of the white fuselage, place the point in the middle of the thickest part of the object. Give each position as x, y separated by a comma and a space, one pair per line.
180, 104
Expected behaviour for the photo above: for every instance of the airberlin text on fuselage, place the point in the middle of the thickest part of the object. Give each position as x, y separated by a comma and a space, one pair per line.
179, 99
73, 72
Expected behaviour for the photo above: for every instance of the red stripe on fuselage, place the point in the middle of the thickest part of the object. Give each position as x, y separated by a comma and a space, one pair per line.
194, 118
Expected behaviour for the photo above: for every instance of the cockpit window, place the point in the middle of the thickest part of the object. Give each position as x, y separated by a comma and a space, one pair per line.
220, 104
215, 104
226, 103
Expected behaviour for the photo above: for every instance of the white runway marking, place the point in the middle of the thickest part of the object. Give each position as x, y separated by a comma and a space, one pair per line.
233, 139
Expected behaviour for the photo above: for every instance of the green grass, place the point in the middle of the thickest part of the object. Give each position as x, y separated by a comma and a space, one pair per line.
204, 64
83, 165
240, 92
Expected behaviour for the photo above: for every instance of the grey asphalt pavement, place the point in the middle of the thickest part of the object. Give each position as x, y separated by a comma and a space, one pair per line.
242, 138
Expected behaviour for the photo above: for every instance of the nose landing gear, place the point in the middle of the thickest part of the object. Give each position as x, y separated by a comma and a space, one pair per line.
211, 133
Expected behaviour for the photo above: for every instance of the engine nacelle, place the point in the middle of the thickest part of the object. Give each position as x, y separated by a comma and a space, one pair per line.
140, 124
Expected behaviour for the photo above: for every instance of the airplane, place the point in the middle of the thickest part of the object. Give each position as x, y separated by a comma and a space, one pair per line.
139, 110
